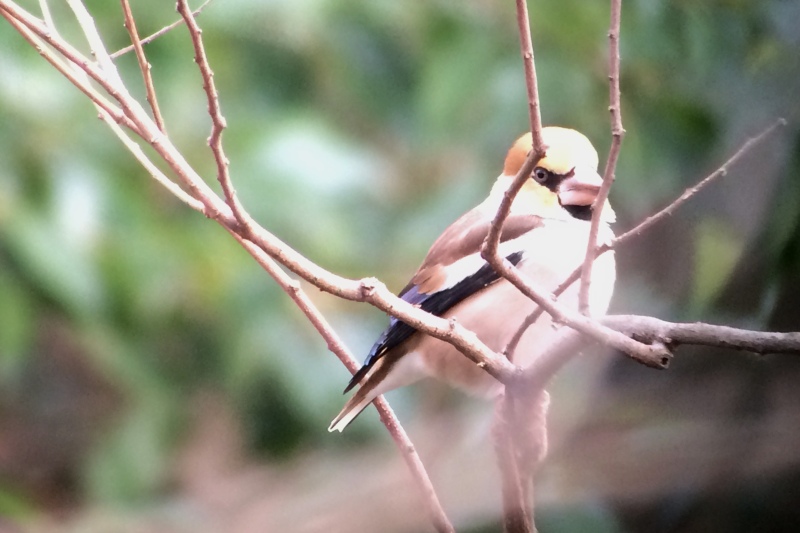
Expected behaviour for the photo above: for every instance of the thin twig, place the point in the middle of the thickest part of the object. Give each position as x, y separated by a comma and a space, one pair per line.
107, 112
43, 31
47, 15
218, 122
38, 44
151, 168
99, 50
531, 85
106, 77
538, 148
617, 133
407, 449
144, 65
748, 145
159, 33
492, 242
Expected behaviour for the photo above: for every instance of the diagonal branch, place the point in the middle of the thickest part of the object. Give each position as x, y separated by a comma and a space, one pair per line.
722, 171
107, 112
365, 290
337, 347
98, 99
538, 148
99, 50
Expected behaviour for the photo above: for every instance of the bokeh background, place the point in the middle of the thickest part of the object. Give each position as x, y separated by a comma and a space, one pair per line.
153, 379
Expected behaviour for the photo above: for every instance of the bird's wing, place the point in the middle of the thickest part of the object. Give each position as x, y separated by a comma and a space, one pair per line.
452, 271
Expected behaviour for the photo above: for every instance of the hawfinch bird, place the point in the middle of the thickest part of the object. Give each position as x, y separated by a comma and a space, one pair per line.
545, 236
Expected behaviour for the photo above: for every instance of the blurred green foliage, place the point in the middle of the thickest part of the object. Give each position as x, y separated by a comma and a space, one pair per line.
358, 129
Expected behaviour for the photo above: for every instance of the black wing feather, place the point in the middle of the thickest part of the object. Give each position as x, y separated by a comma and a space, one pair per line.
436, 303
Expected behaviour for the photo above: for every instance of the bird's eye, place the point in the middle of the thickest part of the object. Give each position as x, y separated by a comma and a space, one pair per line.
540, 174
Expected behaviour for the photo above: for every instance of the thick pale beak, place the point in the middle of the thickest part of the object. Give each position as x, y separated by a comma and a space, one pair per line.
580, 188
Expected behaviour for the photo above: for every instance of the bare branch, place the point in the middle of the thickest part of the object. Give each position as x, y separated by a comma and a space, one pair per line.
617, 133
335, 345
109, 113
526, 47
144, 65
47, 15
151, 168
651, 329
159, 33
406, 447
658, 332
538, 147
516, 507
218, 123
691, 191
568, 343
99, 100
109, 80
99, 50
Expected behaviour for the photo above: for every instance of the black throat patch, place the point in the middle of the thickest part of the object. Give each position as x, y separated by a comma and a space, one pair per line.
581, 212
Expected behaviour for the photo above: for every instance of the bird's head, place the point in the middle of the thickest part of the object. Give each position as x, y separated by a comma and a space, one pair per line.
564, 182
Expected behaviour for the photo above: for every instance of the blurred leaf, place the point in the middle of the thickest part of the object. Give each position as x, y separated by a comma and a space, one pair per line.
595, 518
17, 313
13, 506
61, 270
717, 249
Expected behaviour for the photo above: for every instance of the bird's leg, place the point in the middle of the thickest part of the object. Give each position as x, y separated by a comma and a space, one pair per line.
517, 511
531, 430
520, 435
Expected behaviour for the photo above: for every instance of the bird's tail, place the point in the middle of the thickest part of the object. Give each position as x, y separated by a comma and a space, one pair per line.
387, 373
360, 400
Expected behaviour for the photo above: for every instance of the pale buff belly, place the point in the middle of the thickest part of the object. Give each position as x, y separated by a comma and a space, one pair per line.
495, 315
